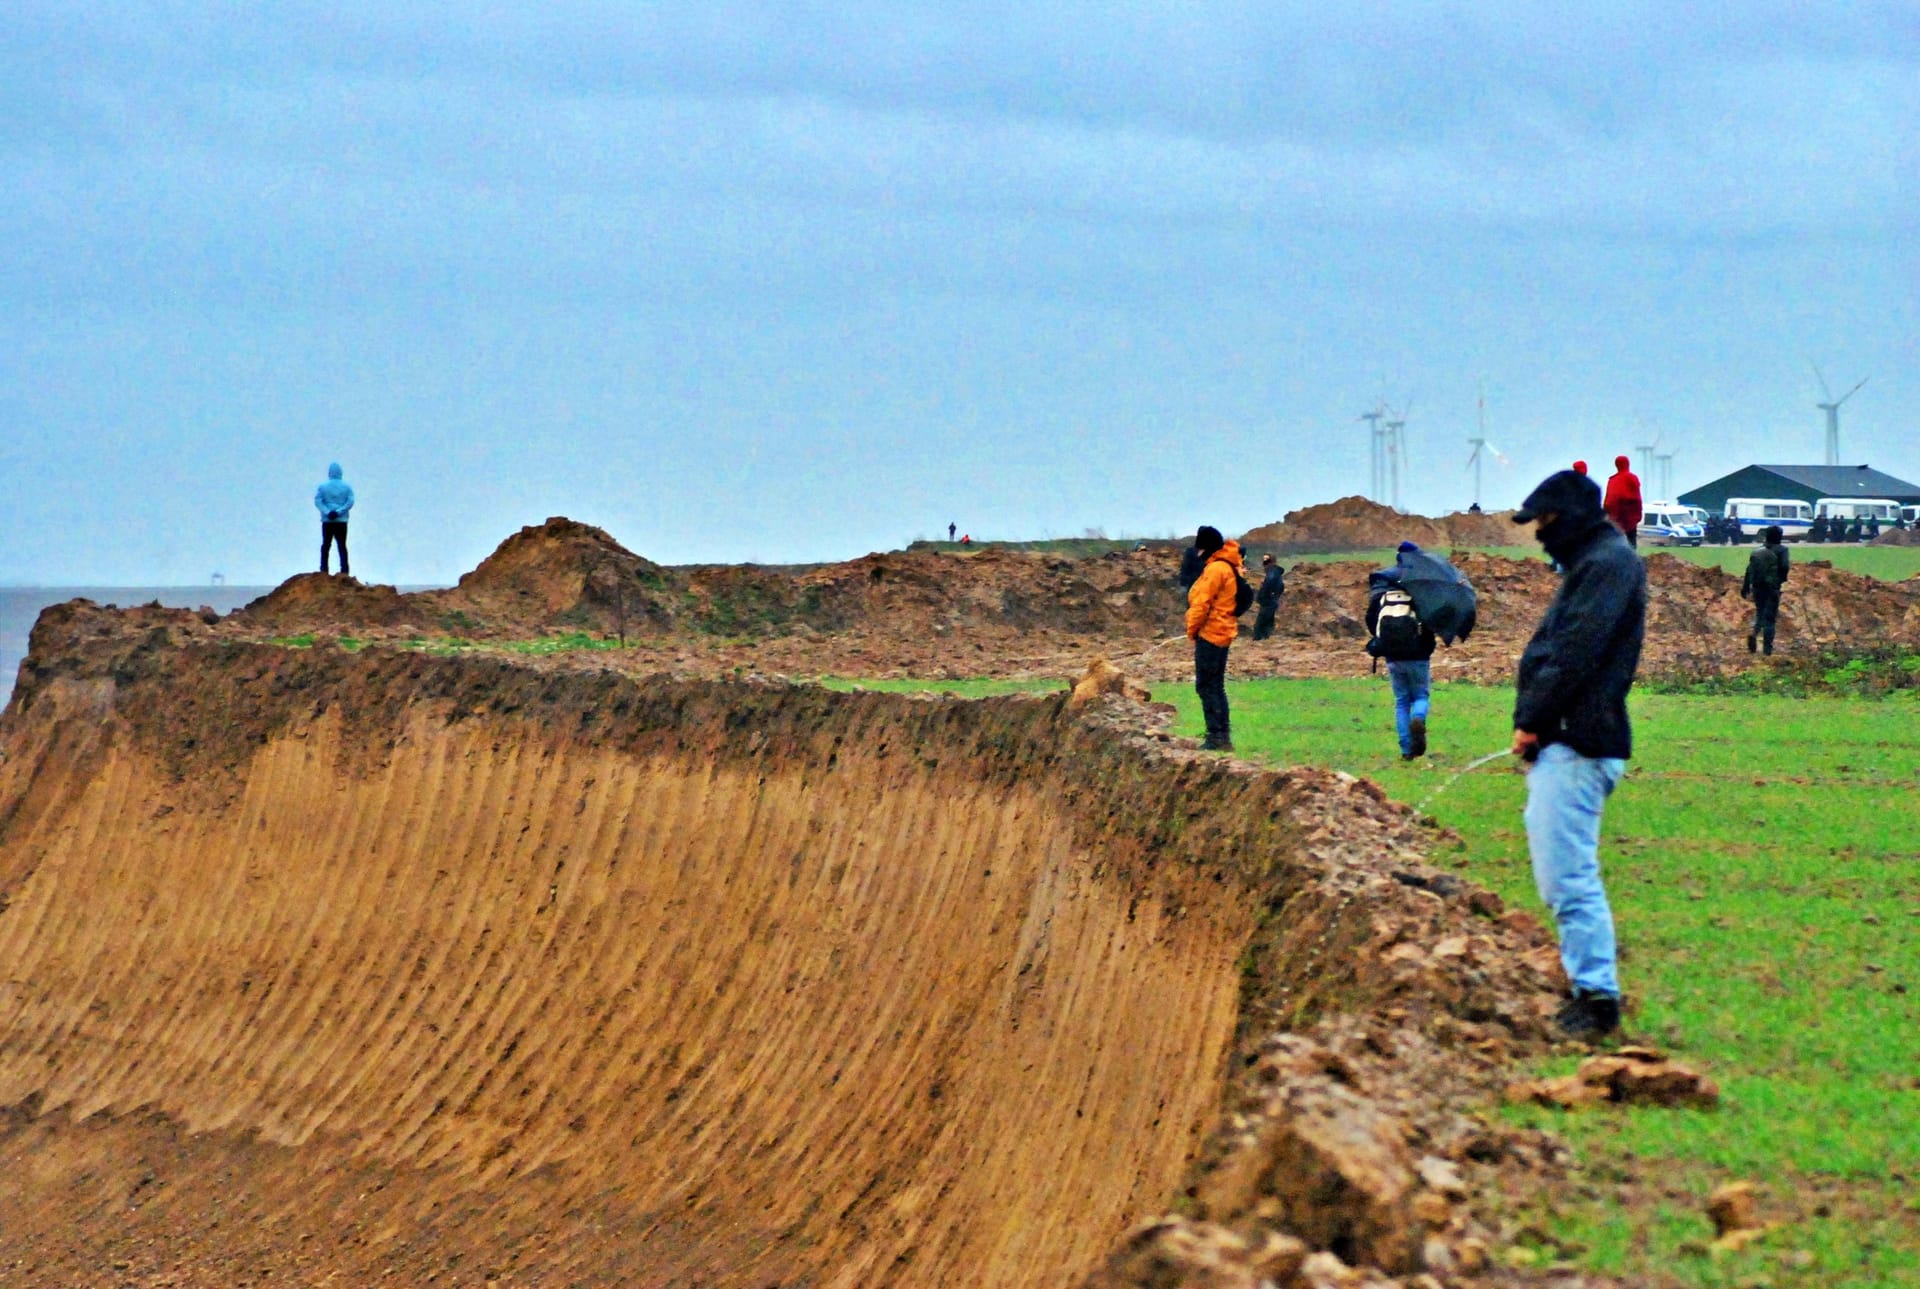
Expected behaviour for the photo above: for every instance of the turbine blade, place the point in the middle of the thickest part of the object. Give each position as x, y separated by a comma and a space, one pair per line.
1824, 391
1850, 393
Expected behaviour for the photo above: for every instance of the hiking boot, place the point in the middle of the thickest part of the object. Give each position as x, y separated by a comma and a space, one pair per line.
1752, 644
1417, 737
1588, 1016
1216, 745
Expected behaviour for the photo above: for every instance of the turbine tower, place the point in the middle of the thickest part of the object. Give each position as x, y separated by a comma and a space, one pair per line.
1376, 475
1663, 464
1832, 408
1396, 441
1396, 447
1480, 448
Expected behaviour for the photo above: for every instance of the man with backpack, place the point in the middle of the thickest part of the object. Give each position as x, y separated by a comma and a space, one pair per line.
1766, 574
1215, 602
1396, 634
1273, 585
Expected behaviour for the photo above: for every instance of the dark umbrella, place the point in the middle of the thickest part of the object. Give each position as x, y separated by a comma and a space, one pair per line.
1442, 595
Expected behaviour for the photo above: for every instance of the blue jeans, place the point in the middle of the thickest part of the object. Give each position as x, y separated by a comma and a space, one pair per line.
1565, 795
1412, 682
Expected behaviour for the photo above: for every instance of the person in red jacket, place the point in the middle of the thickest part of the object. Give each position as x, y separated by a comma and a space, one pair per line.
1623, 501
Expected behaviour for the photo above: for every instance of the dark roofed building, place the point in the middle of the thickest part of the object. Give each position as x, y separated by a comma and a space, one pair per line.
1801, 483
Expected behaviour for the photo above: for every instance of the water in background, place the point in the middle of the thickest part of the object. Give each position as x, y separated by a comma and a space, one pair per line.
20, 605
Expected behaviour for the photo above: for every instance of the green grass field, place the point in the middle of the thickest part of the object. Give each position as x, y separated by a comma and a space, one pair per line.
1889, 563
1763, 859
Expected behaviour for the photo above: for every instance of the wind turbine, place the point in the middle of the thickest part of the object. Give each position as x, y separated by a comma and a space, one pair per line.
1645, 453
1480, 447
1376, 467
1663, 461
1397, 448
1832, 408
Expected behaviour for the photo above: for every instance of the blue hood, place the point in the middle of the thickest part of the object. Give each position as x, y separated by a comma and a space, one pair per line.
334, 498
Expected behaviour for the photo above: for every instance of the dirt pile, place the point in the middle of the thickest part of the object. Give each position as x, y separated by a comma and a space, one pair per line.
376, 964
1357, 523
557, 576
1897, 537
317, 602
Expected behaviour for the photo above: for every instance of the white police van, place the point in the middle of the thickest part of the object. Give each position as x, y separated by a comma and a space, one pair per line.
1848, 509
1756, 514
1668, 523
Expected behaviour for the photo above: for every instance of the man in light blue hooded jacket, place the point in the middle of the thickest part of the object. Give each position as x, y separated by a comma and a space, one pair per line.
333, 499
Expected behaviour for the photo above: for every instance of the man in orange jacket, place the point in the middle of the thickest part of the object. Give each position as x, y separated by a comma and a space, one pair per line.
1212, 625
1623, 501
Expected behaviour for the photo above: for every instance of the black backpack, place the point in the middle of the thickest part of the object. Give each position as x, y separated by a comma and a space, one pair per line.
1396, 626
1242, 593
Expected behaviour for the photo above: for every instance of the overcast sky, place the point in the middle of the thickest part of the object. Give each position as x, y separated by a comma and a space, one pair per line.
796, 282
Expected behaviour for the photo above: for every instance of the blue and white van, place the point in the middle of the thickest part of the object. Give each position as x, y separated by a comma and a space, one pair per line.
1848, 509
1755, 514
1668, 523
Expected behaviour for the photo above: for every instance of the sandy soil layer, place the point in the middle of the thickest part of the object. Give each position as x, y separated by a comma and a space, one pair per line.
328, 965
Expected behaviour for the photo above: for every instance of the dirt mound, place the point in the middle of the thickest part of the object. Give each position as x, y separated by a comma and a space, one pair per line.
351, 965
558, 576
1356, 523
318, 602
1897, 537
996, 612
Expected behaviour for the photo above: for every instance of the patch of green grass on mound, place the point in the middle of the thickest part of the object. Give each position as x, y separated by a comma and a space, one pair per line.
963, 688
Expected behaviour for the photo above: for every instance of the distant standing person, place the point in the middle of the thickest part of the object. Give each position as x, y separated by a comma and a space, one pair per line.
1623, 501
951, 530
1191, 562
1766, 574
1273, 585
1213, 621
1570, 727
333, 499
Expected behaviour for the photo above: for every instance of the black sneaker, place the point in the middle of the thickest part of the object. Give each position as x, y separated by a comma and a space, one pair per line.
1216, 745
1588, 1016
1417, 736
1750, 644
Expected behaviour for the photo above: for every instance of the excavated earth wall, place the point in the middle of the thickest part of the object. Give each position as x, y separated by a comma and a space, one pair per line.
316, 964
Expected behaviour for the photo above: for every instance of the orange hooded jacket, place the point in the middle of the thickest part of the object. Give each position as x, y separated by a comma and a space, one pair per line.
1210, 614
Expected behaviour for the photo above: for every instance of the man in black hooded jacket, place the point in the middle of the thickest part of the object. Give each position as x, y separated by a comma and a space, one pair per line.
1570, 725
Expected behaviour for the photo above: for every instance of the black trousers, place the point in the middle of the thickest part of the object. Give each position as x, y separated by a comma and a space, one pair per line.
333, 531
1263, 625
1766, 613
1210, 682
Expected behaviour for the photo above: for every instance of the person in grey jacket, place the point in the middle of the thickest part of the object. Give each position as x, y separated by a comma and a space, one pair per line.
333, 499
1570, 727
